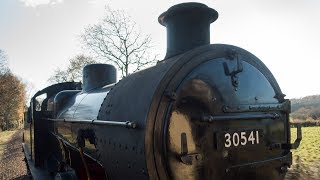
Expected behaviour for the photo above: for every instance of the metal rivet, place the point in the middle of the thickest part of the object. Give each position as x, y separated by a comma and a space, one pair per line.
232, 54
284, 169
171, 95
227, 170
225, 153
198, 157
225, 108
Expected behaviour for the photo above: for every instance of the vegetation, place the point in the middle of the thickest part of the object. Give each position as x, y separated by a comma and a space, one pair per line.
117, 40
306, 159
3, 62
12, 97
73, 71
306, 108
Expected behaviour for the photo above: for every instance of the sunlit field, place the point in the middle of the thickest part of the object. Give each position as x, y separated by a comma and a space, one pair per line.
306, 159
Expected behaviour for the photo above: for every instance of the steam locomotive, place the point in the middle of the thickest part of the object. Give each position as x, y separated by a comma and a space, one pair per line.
207, 111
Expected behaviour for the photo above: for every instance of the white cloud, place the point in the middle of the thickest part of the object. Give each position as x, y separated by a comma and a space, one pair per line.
35, 3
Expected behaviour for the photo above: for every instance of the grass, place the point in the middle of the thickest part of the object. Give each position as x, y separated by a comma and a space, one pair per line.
5, 136
306, 159
309, 149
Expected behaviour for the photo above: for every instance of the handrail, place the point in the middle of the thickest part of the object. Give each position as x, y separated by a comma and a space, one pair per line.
245, 116
127, 124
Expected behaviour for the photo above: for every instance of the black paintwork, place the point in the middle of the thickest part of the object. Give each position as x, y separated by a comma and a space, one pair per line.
98, 75
188, 27
37, 129
169, 121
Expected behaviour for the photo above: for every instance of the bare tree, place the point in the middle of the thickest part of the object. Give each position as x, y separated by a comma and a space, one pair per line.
117, 40
73, 71
30, 91
3, 62
59, 76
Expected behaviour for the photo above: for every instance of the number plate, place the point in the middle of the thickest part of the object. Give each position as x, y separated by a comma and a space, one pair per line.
240, 139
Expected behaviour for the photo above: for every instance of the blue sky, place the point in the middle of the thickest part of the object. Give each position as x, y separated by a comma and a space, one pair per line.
40, 35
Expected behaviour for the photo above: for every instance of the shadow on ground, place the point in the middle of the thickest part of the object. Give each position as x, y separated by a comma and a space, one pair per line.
302, 170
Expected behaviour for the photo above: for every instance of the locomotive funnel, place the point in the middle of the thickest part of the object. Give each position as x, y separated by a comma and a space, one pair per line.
98, 75
188, 26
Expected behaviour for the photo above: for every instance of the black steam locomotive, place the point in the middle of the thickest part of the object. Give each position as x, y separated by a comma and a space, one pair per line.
207, 111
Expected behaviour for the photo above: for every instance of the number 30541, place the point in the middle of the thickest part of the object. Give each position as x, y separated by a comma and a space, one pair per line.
241, 139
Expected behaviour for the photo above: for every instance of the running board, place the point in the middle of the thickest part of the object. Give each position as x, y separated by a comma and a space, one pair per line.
36, 172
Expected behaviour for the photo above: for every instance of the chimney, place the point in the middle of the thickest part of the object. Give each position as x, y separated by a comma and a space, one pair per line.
188, 26
98, 75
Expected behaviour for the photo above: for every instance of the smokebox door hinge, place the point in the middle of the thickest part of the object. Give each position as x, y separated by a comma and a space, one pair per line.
186, 158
